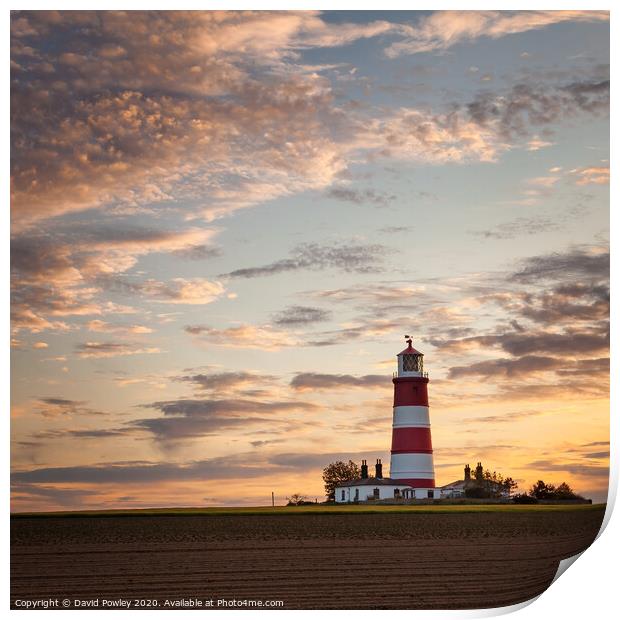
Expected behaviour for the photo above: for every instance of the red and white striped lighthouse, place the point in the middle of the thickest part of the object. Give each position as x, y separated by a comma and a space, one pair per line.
412, 448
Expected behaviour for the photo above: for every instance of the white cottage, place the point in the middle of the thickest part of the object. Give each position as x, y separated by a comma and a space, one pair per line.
376, 488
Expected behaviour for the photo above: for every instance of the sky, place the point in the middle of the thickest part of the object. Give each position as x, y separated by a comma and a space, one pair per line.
223, 225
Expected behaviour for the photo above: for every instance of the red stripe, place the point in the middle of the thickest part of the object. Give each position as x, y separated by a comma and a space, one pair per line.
418, 482
410, 391
411, 439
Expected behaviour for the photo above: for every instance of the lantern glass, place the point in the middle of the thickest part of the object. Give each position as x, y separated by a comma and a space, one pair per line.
412, 362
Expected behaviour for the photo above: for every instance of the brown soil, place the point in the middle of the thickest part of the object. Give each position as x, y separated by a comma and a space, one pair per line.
346, 561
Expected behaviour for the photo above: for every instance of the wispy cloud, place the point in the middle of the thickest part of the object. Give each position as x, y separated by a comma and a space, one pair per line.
301, 315
444, 29
358, 196
112, 349
359, 258
243, 336
52, 406
310, 381
187, 418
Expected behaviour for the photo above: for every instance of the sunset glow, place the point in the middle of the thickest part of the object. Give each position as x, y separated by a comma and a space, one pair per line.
223, 224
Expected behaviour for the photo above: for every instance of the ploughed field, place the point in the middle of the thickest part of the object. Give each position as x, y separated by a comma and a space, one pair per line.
392, 560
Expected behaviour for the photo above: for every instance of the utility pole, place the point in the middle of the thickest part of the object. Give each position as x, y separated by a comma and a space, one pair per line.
273, 501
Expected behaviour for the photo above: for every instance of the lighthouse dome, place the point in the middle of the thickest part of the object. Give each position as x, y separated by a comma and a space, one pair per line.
410, 350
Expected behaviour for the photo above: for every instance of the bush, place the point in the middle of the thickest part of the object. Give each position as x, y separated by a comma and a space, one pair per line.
477, 492
524, 498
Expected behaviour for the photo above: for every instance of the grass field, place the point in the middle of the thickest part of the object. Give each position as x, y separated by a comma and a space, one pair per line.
317, 509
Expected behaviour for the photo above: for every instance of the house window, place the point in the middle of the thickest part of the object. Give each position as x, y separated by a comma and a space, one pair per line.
342, 496
375, 493
357, 494
396, 493
430, 495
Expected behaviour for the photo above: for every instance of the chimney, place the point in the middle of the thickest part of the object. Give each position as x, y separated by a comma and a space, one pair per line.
479, 474
467, 472
378, 469
364, 470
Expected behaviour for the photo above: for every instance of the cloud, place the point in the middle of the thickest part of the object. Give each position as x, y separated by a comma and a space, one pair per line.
101, 326
349, 258
553, 325
60, 274
222, 468
137, 122
521, 226
392, 230
112, 349
513, 113
569, 343
362, 329
595, 175
243, 336
431, 137
156, 118
235, 466
575, 263
444, 29
268, 338
226, 381
93, 433
85, 252
192, 291
187, 418
366, 196
59, 496
53, 406
377, 293
508, 368
503, 417
580, 469
535, 144
301, 315
310, 381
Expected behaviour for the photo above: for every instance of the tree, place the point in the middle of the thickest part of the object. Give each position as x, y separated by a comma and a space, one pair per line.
510, 485
338, 472
563, 491
491, 485
477, 491
297, 500
540, 490
548, 491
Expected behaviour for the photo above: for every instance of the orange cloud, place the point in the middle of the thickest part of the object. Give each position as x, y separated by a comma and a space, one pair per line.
597, 175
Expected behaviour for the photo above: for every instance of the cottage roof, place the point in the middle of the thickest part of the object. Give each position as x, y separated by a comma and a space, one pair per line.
456, 484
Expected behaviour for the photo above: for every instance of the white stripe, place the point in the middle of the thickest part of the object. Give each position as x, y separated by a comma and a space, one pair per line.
411, 415
412, 465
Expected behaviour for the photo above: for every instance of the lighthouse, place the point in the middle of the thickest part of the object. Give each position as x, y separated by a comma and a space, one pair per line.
412, 448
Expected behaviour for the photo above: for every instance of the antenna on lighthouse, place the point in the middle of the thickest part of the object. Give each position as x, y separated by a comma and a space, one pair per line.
408, 340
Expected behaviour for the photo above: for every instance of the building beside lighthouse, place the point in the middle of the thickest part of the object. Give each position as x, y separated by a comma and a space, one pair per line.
412, 471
